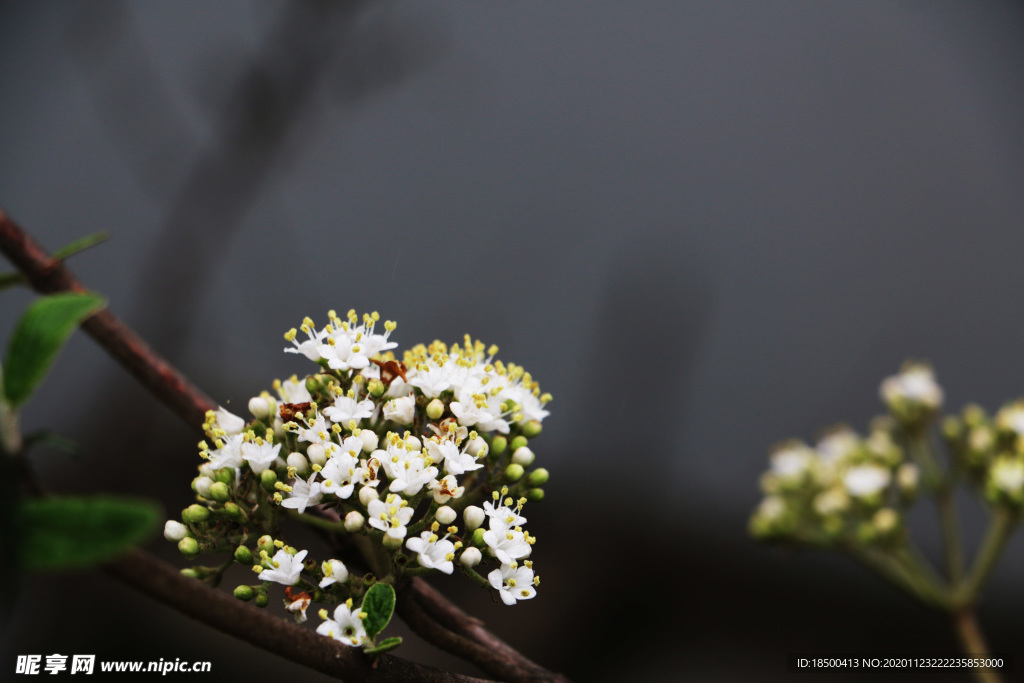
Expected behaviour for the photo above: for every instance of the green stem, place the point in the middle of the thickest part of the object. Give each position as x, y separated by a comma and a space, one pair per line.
943, 486
318, 522
999, 531
906, 577
973, 642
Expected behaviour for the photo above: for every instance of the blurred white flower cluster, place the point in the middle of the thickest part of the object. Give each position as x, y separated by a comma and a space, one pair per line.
393, 451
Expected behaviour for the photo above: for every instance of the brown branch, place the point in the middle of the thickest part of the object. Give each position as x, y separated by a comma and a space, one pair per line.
50, 276
426, 611
195, 599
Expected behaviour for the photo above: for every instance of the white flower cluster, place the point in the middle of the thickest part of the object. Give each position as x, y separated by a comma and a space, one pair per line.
392, 449
990, 450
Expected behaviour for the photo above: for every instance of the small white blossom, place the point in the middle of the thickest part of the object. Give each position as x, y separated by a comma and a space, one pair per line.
260, 454
400, 410
175, 531
229, 422
1007, 474
433, 553
304, 494
346, 409
391, 516
335, 571
513, 583
286, 568
915, 384
228, 455
346, 627
866, 480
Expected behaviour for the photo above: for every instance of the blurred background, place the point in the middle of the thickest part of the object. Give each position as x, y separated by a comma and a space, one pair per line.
704, 227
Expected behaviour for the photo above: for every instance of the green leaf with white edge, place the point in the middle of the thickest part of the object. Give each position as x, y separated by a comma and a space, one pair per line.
384, 646
71, 533
379, 605
40, 335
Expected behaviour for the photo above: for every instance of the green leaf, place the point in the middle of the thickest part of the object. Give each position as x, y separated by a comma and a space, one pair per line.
385, 645
379, 604
8, 280
80, 245
39, 337
67, 533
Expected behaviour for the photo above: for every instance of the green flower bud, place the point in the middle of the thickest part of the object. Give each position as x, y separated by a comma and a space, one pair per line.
262, 600
268, 478
435, 409
392, 543
514, 472
226, 475
266, 543
498, 445
376, 388
190, 573
532, 429
233, 511
478, 538
195, 513
244, 593
220, 492
535, 494
538, 477
312, 385
243, 555
518, 443
189, 547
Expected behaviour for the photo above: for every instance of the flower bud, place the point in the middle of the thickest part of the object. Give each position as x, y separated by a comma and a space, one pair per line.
312, 385
298, 461
470, 557
370, 440
244, 593
232, 511
413, 444
445, 515
376, 388
535, 494
259, 408
262, 600
220, 492
523, 456
201, 485
317, 454
532, 429
514, 472
498, 445
279, 431
908, 477
266, 544
435, 409
194, 514
225, 475
478, 538
518, 442
886, 520
268, 478
474, 517
477, 447
538, 477
188, 546
190, 572
354, 522
400, 410
392, 543
205, 471
243, 555
367, 494
175, 531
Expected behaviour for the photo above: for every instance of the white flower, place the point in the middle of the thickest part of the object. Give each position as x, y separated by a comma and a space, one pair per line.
431, 381
501, 517
513, 583
319, 432
297, 604
346, 409
791, 462
293, 391
1011, 417
286, 568
346, 627
259, 454
507, 545
447, 488
175, 531
338, 475
1007, 474
832, 501
229, 422
866, 480
307, 348
304, 494
915, 384
335, 571
433, 553
409, 476
390, 517
401, 410
836, 445
229, 454
455, 461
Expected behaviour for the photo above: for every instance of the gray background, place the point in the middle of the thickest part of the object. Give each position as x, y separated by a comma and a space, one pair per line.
703, 226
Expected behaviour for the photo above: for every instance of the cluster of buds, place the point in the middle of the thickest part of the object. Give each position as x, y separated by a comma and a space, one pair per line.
990, 451
392, 451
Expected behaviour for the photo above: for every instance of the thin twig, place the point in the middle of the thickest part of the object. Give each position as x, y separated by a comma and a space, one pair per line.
436, 619
195, 599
